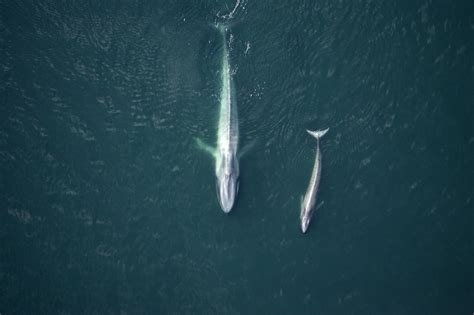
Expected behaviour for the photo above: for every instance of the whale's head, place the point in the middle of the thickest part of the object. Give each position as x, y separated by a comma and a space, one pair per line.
305, 217
305, 224
227, 182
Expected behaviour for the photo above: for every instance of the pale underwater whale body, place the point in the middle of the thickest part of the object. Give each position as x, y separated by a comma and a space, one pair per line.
309, 200
225, 154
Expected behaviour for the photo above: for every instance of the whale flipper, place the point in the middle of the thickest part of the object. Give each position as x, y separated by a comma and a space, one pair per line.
205, 147
245, 149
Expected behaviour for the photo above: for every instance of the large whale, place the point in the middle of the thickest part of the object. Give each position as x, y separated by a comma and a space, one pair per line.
309, 200
225, 154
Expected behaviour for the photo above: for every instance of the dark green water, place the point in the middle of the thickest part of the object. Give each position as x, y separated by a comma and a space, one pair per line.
108, 207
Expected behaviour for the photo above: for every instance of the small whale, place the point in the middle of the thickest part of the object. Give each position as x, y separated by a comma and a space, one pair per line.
309, 200
225, 154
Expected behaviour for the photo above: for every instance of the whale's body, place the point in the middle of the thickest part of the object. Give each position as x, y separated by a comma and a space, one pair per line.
227, 165
309, 200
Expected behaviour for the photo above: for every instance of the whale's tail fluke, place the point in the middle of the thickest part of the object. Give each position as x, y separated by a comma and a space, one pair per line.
318, 134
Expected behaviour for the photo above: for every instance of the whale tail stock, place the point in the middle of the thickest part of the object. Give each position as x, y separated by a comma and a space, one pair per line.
225, 25
222, 27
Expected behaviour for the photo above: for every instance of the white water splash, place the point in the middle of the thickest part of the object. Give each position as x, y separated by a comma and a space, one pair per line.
230, 15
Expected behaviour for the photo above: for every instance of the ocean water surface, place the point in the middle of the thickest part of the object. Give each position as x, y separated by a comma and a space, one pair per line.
107, 206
